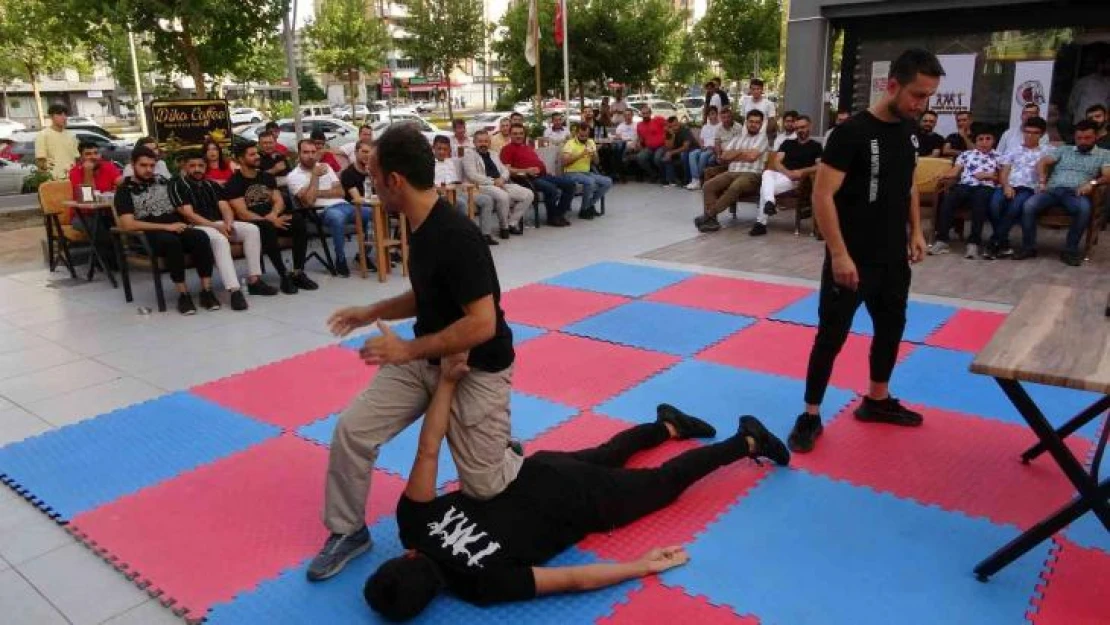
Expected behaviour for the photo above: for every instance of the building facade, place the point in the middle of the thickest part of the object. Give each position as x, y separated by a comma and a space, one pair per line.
91, 95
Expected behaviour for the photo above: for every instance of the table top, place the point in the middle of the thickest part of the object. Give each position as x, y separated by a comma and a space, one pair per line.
1057, 335
101, 204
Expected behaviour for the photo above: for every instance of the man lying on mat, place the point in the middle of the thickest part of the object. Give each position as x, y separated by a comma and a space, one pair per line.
489, 551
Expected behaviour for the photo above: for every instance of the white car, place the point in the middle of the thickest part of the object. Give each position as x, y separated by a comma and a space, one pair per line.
12, 175
245, 116
344, 112
8, 126
81, 120
485, 121
667, 109
428, 129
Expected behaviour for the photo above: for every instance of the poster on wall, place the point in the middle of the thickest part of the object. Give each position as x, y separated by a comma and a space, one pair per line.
880, 70
954, 93
181, 124
1032, 82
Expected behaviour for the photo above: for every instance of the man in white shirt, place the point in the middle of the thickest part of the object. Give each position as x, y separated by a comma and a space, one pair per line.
315, 185
712, 99
619, 106
459, 141
365, 133
557, 133
55, 147
1092, 89
160, 168
700, 158
746, 156
1012, 139
756, 102
449, 172
1018, 182
483, 168
789, 119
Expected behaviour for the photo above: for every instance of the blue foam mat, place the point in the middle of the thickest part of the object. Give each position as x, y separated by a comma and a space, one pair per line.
80, 467
1088, 532
922, 318
291, 599
661, 327
941, 378
719, 394
855, 557
619, 279
404, 329
531, 416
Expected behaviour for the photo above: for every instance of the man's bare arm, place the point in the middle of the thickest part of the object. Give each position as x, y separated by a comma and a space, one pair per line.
552, 580
477, 325
421, 485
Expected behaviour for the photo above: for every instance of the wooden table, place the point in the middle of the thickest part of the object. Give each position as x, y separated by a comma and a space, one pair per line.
1060, 336
383, 242
93, 210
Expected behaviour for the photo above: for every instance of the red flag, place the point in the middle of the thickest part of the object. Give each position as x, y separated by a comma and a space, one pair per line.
559, 22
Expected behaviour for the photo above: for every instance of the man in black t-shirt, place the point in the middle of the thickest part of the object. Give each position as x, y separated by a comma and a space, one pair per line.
864, 201
961, 140
355, 180
456, 299
929, 143
488, 552
254, 196
796, 159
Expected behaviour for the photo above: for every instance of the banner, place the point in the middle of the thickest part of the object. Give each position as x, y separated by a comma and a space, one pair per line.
880, 72
532, 41
954, 93
1032, 83
183, 124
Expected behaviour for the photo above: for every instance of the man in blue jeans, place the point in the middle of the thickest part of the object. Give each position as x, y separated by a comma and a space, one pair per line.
578, 155
1077, 170
1017, 181
314, 184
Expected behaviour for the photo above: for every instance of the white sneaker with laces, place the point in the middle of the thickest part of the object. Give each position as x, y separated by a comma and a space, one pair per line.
972, 251
694, 185
937, 248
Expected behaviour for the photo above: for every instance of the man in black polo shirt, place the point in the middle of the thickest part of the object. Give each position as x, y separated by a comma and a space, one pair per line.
357, 187
864, 201
929, 143
456, 299
795, 159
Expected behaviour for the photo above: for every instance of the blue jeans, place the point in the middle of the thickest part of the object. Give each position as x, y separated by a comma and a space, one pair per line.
558, 193
979, 197
1079, 207
698, 160
1005, 213
671, 168
336, 218
594, 186
646, 159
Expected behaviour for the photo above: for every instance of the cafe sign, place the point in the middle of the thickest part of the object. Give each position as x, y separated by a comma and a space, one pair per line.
184, 124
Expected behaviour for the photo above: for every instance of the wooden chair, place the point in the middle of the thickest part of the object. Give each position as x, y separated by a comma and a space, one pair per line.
799, 200
928, 180
383, 243
60, 233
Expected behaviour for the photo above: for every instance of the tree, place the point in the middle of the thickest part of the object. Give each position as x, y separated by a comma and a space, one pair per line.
113, 49
686, 65
734, 32
36, 39
344, 39
311, 91
442, 34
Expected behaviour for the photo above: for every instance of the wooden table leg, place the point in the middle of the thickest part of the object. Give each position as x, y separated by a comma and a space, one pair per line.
360, 234
381, 225
403, 235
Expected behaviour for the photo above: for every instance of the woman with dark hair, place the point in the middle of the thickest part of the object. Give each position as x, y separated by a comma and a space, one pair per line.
219, 166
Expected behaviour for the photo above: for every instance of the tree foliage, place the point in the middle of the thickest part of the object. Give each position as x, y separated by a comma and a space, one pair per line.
264, 64
686, 65
733, 31
310, 90
344, 39
113, 49
443, 34
35, 39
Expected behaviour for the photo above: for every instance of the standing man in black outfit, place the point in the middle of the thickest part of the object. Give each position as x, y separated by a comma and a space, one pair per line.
866, 205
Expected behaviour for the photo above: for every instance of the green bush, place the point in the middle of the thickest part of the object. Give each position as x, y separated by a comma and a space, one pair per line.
31, 183
281, 110
505, 102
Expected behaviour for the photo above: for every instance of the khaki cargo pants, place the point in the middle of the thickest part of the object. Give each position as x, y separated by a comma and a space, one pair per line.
478, 436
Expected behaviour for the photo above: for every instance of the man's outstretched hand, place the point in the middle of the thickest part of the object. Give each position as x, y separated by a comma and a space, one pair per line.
385, 349
454, 368
344, 320
663, 558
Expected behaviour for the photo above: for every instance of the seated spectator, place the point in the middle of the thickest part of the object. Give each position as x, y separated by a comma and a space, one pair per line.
929, 143
323, 151
200, 201
728, 131
143, 205
483, 168
315, 185
557, 133
577, 156
523, 161
254, 196
961, 140
789, 121
652, 133
1096, 114
273, 160
678, 141
500, 138
977, 171
842, 115
515, 118
274, 131
625, 140
6, 152
605, 115
746, 155
103, 176
1076, 171
218, 165
160, 168
705, 155
1017, 183
459, 139
365, 133
796, 159
712, 99
449, 172
1013, 138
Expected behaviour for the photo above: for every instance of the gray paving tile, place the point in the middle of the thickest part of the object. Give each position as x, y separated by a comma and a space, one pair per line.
81, 585
23, 604
47, 383
150, 613
26, 533
94, 400
17, 424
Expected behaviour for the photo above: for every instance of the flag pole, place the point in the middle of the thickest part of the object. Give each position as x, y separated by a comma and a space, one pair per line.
535, 26
566, 58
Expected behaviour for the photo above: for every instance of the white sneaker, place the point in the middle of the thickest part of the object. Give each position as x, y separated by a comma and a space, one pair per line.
937, 248
972, 251
694, 185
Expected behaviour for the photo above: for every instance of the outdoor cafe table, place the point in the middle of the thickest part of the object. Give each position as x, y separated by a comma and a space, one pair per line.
89, 214
1059, 336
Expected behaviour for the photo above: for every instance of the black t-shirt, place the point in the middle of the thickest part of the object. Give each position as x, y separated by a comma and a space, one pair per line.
796, 155
257, 192
450, 267
486, 549
147, 201
927, 143
204, 196
267, 162
873, 203
956, 141
1104, 142
684, 135
724, 97
352, 178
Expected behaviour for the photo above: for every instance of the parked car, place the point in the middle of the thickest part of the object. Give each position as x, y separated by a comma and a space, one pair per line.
344, 112
485, 121
9, 126
337, 131
118, 151
81, 120
695, 106
245, 116
428, 129
425, 107
12, 176
667, 109
315, 110
97, 130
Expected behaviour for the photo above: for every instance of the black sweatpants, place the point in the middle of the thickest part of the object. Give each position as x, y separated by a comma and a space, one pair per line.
173, 247
619, 496
884, 290
269, 234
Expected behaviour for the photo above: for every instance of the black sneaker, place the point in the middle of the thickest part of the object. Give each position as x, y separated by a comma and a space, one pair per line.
1025, 253
185, 304
990, 251
337, 552
259, 287
709, 224
504, 234
699, 220
238, 300
585, 214
490, 240
685, 425
770, 209
804, 435
287, 285
208, 300
757, 230
303, 282
767, 445
1072, 259
342, 269
517, 230
371, 263
1005, 251
887, 410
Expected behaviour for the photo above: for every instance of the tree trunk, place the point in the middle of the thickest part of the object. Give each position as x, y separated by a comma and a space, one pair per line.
34, 78
352, 94
450, 107
189, 51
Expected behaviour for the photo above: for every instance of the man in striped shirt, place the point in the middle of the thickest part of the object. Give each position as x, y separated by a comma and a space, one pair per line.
746, 156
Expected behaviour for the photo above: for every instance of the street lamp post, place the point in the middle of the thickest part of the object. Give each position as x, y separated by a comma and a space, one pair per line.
139, 106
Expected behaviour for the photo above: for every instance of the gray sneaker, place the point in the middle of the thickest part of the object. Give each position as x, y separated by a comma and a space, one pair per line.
971, 251
337, 552
938, 248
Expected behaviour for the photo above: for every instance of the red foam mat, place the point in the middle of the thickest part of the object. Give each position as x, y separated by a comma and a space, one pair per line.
783, 349
212, 533
294, 392
955, 461
656, 604
1076, 589
553, 307
582, 372
967, 330
731, 295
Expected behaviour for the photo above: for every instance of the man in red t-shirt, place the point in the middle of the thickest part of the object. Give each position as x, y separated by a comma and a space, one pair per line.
103, 176
528, 169
652, 132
